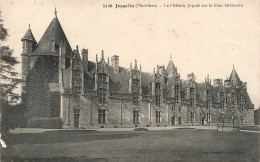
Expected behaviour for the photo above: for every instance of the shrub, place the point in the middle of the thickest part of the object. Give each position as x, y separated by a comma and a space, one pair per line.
13, 116
141, 129
46, 123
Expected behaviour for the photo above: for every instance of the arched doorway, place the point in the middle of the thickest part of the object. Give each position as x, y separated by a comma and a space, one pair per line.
173, 120
180, 120
76, 118
202, 120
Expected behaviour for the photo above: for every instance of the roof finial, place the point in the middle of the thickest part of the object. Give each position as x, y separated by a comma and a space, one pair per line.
29, 26
135, 63
102, 55
108, 60
170, 56
233, 66
55, 12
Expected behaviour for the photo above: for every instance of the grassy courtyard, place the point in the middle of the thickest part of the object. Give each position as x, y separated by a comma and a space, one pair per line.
163, 145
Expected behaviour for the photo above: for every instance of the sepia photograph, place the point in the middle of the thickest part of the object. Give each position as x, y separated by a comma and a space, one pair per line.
129, 80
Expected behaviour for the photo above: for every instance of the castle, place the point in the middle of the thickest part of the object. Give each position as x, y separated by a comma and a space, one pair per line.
61, 82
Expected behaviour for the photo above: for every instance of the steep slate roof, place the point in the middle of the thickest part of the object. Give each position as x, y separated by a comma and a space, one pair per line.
118, 82
55, 33
29, 36
234, 78
171, 69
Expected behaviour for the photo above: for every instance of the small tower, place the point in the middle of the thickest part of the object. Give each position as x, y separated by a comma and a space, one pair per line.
29, 45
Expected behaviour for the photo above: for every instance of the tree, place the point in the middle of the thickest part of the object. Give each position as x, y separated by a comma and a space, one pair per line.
9, 78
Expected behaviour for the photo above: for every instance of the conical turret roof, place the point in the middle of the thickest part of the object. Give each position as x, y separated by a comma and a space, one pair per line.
54, 33
234, 78
29, 36
171, 69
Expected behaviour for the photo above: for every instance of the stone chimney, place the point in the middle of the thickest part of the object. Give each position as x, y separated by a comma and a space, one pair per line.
84, 54
115, 63
162, 70
216, 82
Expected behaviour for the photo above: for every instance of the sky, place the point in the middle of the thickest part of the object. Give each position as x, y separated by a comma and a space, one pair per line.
205, 41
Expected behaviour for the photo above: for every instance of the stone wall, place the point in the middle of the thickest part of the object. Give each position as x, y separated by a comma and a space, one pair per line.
119, 113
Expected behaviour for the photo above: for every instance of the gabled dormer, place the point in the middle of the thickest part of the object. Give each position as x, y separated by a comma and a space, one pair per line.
102, 79
135, 83
191, 89
208, 92
177, 88
158, 87
76, 74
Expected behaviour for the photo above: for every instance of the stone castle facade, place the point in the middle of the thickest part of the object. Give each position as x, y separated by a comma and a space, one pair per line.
61, 82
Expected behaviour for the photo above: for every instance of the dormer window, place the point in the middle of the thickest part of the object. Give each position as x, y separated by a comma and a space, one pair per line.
24, 46
242, 98
176, 88
222, 95
208, 92
53, 45
158, 100
158, 85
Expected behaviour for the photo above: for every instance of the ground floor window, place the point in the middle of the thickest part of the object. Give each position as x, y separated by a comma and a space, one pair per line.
192, 117
102, 116
158, 116
208, 117
180, 120
76, 118
242, 119
136, 116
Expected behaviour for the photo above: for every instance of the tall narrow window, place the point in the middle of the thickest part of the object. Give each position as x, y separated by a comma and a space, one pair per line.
158, 101
233, 99
76, 93
76, 84
24, 46
192, 117
192, 90
135, 90
180, 109
158, 116
176, 88
242, 98
208, 118
222, 95
158, 86
136, 116
102, 91
53, 45
222, 105
135, 98
208, 104
102, 116
242, 108
192, 102
177, 98
208, 92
